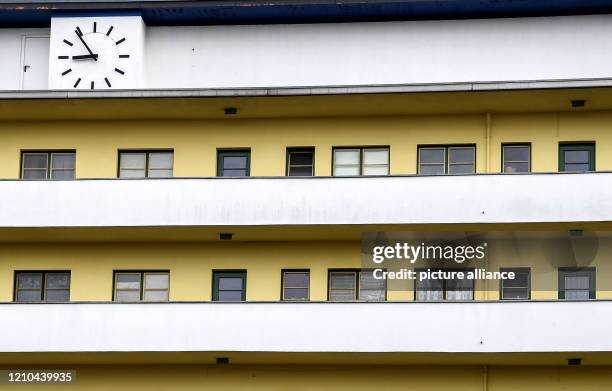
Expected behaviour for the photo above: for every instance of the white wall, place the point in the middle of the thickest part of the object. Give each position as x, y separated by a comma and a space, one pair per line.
11, 55
572, 47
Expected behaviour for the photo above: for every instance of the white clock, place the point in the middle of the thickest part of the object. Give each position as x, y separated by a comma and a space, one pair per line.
96, 52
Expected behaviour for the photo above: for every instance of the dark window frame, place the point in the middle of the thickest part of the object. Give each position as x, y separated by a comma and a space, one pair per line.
361, 149
447, 164
515, 144
42, 286
233, 152
291, 150
581, 271
444, 287
232, 273
509, 269
282, 293
147, 152
357, 272
589, 146
49, 153
142, 272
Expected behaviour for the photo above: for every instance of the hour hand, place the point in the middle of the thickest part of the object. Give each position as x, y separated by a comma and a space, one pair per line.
85, 56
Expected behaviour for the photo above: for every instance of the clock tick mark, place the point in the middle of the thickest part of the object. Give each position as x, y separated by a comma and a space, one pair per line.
92, 85
62, 57
119, 71
67, 42
78, 29
95, 27
119, 41
67, 71
77, 82
124, 56
109, 30
107, 82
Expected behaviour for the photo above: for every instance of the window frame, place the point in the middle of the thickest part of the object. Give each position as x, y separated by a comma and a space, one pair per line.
283, 287
361, 150
43, 286
357, 272
582, 272
217, 274
49, 168
288, 166
515, 145
233, 152
514, 269
142, 283
447, 164
444, 285
147, 152
589, 146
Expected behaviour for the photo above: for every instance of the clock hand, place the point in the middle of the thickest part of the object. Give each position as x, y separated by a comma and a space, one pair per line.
86, 47
85, 56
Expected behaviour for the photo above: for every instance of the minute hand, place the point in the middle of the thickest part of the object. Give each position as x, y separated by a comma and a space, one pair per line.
86, 47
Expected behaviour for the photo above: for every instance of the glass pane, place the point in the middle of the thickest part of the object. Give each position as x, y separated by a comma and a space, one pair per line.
35, 160
371, 295
132, 173
432, 170
230, 295
577, 282
293, 279
516, 167
521, 279
28, 296
300, 158
29, 280
127, 296
457, 284
367, 281
577, 157
514, 154
160, 173
577, 295
57, 280
295, 294
430, 284
375, 156
300, 171
230, 283
155, 296
235, 173
431, 155
156, 281
57, 295
62, 160
346, 156
461, 169
233, 162
376, 170
577, 167
459, 295
346, 170
163, 160
62, 174
342, 280
515, 293
461, 155
133, 160
342, 295
127, 281
429, 295
35, 174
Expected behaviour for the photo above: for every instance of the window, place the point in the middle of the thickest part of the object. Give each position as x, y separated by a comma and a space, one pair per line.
48, 165
519, 288
42, 286
146, 164
516, 158
349, 285
577, 157
142, 286
447, 160
300, 162
361, 161
452, 289
234, 163
229, 285
296, 285
576, 283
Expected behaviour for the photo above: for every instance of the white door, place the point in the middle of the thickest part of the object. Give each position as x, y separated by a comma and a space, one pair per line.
35, 66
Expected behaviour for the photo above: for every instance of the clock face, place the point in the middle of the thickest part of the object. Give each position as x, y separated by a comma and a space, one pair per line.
93, 55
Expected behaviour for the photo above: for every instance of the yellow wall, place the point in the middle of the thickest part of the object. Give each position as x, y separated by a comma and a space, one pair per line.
191, 265
195, 141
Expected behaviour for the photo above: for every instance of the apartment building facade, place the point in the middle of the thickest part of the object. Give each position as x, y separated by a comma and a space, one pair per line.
188, 191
